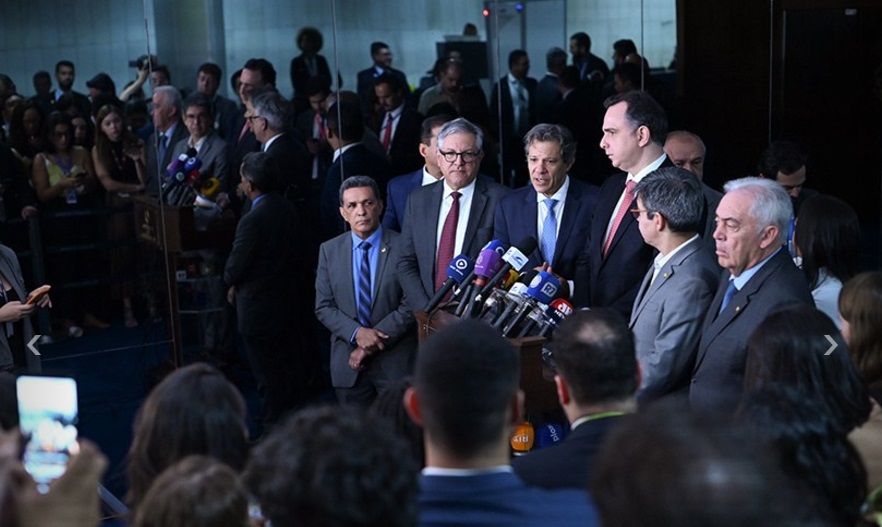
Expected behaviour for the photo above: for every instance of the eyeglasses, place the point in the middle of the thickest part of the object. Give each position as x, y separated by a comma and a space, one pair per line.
251, 118
636, 213
467, 157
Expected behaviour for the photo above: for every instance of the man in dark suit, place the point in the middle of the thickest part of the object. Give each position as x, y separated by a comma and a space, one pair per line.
678, 287
210, 147
752, 227
548, 91
615, 258
597, 377
686, 150
226, 111
517, 109
372, 337
579, 111
554, 208
465, 396
65, 74
450, 217
400, 187
399, 126
382, 57
267, 111
168, 131
351, 157
256, 73
265, 271
309, 64
591, 67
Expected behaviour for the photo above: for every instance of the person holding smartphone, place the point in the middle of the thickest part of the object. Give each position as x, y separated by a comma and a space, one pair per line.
15, 311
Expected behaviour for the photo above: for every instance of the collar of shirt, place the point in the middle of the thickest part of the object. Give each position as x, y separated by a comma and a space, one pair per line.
560, 195
428, 179
466, 192
394, 114
58, 93
550, 74
461, 472
742, 279
170, 133
652, 167
373, 239
270, 141
198, 144
257, 200
378, 71
661, 260
593, 417
338, 152
512, 80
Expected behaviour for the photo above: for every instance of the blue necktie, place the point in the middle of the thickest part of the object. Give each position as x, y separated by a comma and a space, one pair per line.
549, 231
727, 297
364, 286
163, 147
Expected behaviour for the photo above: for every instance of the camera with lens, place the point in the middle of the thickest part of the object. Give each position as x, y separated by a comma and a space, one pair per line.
142, 62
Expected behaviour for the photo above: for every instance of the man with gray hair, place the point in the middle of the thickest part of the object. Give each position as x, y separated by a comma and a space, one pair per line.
372, 338
450, 217
760, 278
267, 111
677, 289
555, 208
168, 131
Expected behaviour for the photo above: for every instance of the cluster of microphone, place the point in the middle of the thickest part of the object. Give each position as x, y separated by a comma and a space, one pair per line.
497, 287
184, 184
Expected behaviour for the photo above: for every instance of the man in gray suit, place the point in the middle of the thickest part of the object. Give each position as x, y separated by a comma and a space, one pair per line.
752, 224
210, 147
673, 298
453, 216
360, 301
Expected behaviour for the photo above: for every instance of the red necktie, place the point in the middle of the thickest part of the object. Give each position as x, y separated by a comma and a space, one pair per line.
245, 129
387, 134
319, 125
620, 215
447, 243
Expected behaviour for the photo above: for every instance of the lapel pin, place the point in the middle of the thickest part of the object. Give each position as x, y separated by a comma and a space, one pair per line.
383, 250
666, 275
738, 309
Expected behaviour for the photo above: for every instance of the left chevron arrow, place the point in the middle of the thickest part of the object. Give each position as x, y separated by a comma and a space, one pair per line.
31, 344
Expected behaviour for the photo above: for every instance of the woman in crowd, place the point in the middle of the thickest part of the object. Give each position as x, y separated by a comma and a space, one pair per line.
118, 157
84, 131
860, 306
195, 492
307, 65
790, 348
195, 410
810, 449
26, 132
15, 324
64, 180
828, 240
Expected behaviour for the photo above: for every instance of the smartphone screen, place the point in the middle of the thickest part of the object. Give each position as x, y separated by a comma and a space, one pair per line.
47, 408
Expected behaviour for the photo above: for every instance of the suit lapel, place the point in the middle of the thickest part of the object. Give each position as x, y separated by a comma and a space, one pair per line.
568, 221
479, 202
641, 297
606, 207
344, 255
529, 220
382, 258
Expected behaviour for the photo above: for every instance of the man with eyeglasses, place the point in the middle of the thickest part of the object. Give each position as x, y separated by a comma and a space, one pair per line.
450, 217
678, 287
784, 161
615, 259
210, 147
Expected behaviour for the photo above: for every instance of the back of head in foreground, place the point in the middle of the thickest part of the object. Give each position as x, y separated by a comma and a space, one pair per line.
466, 382
666, 467
195, 410
860, 308
331, 467
789, 347
195, 492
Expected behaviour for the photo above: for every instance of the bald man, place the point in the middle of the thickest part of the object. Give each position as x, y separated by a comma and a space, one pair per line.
686, 150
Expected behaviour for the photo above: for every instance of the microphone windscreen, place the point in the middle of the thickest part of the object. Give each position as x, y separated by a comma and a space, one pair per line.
510, 279
544, 287
495, 245
193, 163
459, 268
522, 439
527, 244
488, 263
561, 306
548, 434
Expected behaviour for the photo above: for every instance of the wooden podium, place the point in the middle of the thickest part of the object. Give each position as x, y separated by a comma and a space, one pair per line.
540, 395
172, 231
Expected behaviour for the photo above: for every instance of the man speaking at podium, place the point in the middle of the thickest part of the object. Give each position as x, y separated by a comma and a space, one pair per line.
359, 299
450, 217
